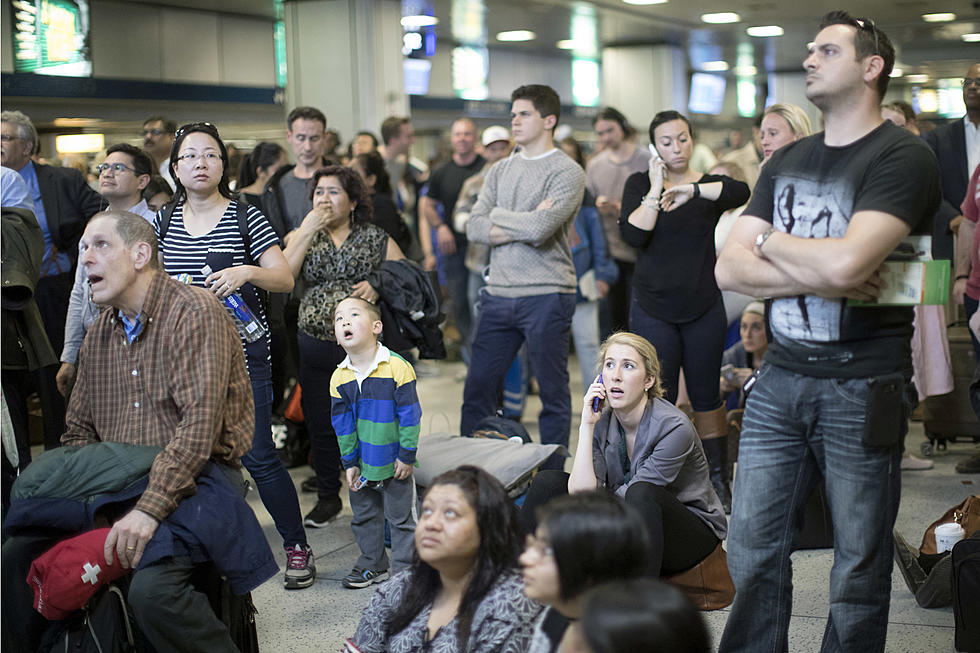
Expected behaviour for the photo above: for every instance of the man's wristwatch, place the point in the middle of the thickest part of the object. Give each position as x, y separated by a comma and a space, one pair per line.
761, 239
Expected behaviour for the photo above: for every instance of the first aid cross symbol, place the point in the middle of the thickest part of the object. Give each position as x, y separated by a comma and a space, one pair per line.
91, 574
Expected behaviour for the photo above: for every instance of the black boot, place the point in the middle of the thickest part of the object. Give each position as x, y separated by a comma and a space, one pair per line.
716, 451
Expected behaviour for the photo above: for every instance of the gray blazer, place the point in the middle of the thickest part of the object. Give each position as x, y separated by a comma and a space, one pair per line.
667, 453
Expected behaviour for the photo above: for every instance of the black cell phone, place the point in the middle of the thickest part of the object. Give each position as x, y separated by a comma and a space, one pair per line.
885, 419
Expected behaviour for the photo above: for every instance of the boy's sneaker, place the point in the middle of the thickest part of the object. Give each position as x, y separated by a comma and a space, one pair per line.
324, 511
359, 578
300, 567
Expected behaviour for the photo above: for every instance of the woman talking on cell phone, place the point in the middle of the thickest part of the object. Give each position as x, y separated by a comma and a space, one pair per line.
669, 214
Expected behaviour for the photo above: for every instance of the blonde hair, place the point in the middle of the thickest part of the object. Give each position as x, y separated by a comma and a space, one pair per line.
795, 117
647, 353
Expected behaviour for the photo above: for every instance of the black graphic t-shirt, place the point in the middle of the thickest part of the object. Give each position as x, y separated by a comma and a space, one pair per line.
811, 190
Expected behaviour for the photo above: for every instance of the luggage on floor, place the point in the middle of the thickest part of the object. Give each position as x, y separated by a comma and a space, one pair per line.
966, 593
814, 527
950, 417
104, 625
237, 612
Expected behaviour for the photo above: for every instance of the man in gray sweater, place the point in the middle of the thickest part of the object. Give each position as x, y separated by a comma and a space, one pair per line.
525, 212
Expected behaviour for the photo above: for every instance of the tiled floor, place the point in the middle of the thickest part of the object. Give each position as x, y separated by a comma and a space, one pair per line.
320, 617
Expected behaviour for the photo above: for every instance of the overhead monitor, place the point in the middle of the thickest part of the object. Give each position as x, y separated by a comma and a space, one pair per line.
707, 93
51, 37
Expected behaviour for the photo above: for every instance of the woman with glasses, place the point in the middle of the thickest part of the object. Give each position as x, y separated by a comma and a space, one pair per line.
580, 541
335, 248
229, 248
669, 215
636, 444
463, 591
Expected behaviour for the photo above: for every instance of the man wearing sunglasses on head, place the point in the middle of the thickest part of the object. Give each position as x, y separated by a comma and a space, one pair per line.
830, 399
122, 177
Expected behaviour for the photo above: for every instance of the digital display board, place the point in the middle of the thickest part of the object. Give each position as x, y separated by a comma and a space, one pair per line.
51, 37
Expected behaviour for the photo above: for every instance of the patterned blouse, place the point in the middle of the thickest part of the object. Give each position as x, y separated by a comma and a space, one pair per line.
330, 273
503, 622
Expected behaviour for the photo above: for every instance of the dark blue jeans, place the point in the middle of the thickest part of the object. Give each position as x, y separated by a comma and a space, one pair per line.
796, 429
275, 486
457, 283
970, 305
544, 322
696, 346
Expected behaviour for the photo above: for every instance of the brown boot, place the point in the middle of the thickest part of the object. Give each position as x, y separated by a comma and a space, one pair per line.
712, 427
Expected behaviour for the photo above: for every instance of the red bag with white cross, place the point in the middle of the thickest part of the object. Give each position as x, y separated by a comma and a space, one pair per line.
66, 576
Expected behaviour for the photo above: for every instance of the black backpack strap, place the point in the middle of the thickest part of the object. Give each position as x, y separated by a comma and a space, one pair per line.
166, 213
241, 213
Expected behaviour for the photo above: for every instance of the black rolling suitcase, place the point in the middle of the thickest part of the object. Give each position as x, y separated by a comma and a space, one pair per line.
966, 593
950, 417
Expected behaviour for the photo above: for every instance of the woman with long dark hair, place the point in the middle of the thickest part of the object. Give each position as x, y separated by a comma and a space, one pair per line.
371, 167
669, 215
257, 169
463, 591
335, 248
229, 249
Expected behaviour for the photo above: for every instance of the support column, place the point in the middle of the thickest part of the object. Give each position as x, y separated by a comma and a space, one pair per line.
344, 57
791, 87
643, 80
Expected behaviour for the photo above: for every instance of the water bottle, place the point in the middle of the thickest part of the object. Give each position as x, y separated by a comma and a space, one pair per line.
249, 326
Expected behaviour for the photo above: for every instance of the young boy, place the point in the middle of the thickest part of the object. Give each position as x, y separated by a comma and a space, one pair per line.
376, 414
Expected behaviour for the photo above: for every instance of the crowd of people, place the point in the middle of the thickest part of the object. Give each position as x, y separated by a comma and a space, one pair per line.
689, 288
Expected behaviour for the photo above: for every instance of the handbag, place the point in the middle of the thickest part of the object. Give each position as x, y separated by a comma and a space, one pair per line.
708, 583
966, 514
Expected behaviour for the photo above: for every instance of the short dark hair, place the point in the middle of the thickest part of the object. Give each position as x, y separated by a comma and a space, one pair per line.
353, 185
668, 116
224, 186
595, 537
373, 164
134, 229
374, 139
169, 126
903, 108
372, 309
615, 115
307, 113
868, 41
642, 614
392, 127
544, 98
142, 163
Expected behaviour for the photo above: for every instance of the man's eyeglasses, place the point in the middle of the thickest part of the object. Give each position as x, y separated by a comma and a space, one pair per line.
970, 81
154, 132
198, 127
868, 25
115, 167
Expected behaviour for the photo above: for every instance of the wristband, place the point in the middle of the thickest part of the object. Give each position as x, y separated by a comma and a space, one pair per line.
697, 192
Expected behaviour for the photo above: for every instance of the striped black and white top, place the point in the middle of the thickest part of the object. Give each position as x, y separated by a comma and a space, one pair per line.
221, 247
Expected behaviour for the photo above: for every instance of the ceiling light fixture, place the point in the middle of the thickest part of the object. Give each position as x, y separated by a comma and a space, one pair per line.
645, 2
415, 22
567, 44
939, 17
973, 37
714, 66
896, 72
516, 35
745, 71
917, 79
721, 18
762, 31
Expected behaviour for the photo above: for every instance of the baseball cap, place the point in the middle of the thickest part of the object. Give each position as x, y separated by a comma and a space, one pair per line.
66, 576
493, 134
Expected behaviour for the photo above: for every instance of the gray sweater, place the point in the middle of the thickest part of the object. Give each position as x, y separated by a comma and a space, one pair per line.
536, 259
668, 453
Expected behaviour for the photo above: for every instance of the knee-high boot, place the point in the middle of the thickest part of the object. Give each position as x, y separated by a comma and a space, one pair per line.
712, 427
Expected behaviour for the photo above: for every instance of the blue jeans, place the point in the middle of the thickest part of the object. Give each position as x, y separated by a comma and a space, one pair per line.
797, 428
544, 323
275, 486
457, 283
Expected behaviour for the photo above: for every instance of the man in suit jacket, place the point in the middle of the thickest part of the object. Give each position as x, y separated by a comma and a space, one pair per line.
957, 147
63, 203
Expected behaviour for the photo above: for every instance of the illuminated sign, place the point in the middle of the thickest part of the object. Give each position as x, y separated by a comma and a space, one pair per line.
51, 37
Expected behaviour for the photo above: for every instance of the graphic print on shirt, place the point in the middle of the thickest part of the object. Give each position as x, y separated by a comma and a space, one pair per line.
809, 208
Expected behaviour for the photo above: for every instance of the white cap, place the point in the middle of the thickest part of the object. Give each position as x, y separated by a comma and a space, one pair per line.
495, 133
